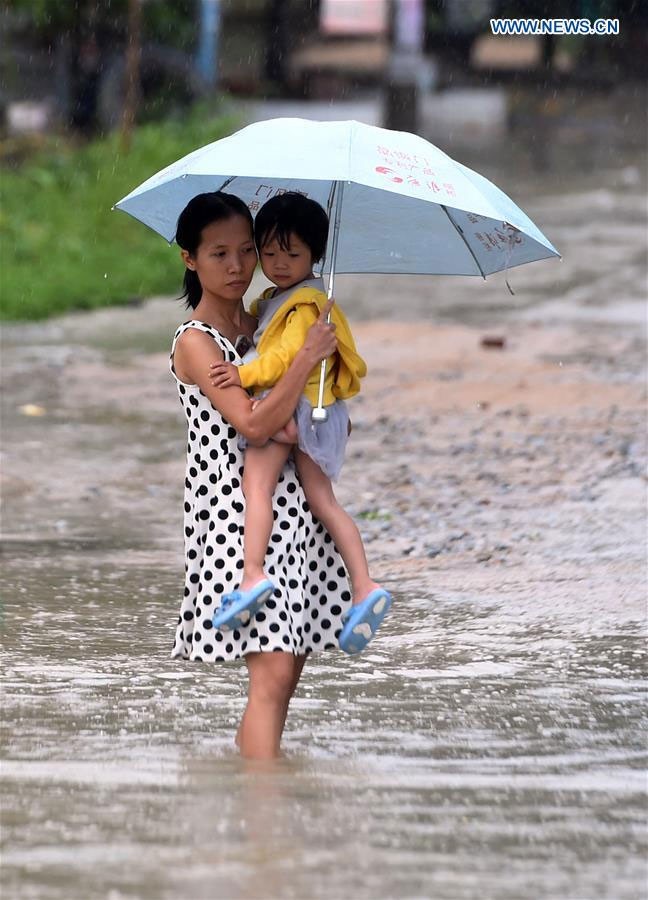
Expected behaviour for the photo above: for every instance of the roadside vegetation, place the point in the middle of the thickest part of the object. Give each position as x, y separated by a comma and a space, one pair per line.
62, 246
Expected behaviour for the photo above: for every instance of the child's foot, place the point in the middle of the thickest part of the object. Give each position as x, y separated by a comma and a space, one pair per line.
363, 619
251, 578
238, 607
362, 590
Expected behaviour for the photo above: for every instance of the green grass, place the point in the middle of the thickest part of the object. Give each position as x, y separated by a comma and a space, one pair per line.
61, 245
370, 514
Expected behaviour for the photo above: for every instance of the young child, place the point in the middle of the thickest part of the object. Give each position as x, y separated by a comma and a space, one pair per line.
291, 233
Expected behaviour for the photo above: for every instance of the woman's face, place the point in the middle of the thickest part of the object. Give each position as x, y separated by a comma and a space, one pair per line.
225, 259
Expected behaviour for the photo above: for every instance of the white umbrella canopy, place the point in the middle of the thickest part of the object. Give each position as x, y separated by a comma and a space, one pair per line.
401, 205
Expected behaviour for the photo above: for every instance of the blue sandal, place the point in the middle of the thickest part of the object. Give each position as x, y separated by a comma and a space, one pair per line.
361, 621
238, 607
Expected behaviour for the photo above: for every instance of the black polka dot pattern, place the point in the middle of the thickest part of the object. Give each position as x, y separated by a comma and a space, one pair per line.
312, 591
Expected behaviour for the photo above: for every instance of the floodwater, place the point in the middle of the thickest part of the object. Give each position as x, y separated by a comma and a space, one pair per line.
473, 753
490, 744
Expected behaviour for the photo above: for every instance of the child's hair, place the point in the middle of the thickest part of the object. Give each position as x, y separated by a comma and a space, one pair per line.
292, 213
200, 212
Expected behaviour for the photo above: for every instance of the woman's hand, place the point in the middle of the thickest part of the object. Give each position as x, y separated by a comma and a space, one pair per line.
320, 340
288, 434
224, 374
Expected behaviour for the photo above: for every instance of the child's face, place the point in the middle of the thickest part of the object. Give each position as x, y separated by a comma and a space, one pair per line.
286, 267
226, 258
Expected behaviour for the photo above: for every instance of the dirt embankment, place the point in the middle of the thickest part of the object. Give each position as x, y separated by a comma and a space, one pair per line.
476, 470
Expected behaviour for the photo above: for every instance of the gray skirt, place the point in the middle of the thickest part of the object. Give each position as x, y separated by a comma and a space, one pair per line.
324, 442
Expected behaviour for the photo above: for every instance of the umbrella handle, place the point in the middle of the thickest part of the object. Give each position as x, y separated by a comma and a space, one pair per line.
319, 413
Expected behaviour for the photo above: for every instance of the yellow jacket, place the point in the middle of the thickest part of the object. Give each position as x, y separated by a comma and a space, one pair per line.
284, 336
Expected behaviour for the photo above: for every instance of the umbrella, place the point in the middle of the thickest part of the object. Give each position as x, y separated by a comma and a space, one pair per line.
397, 203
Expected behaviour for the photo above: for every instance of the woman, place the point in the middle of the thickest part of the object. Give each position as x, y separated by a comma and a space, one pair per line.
215, 234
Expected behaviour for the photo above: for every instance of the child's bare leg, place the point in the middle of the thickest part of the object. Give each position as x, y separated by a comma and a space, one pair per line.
263, 466
337, 521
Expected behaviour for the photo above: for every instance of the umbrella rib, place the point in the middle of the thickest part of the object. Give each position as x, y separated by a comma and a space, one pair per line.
226, 182
329, 210
461, 235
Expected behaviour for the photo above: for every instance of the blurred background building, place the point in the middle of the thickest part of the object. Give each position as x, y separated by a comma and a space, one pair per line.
65, 62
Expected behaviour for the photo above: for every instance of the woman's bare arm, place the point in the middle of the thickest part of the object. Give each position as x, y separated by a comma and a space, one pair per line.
196, 351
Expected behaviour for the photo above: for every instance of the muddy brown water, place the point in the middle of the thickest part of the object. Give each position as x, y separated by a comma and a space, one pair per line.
491, 743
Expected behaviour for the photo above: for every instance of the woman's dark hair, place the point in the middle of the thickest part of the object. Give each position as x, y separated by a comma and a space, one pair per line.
292, 213
200, 212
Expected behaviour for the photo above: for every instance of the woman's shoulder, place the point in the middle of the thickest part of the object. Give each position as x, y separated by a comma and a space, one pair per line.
196, 334
197, 324
193, 327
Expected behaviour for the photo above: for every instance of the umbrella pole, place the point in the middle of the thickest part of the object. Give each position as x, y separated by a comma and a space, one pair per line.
319, 412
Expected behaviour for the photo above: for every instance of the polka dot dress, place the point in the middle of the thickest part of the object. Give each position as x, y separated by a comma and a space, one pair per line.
304, 613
